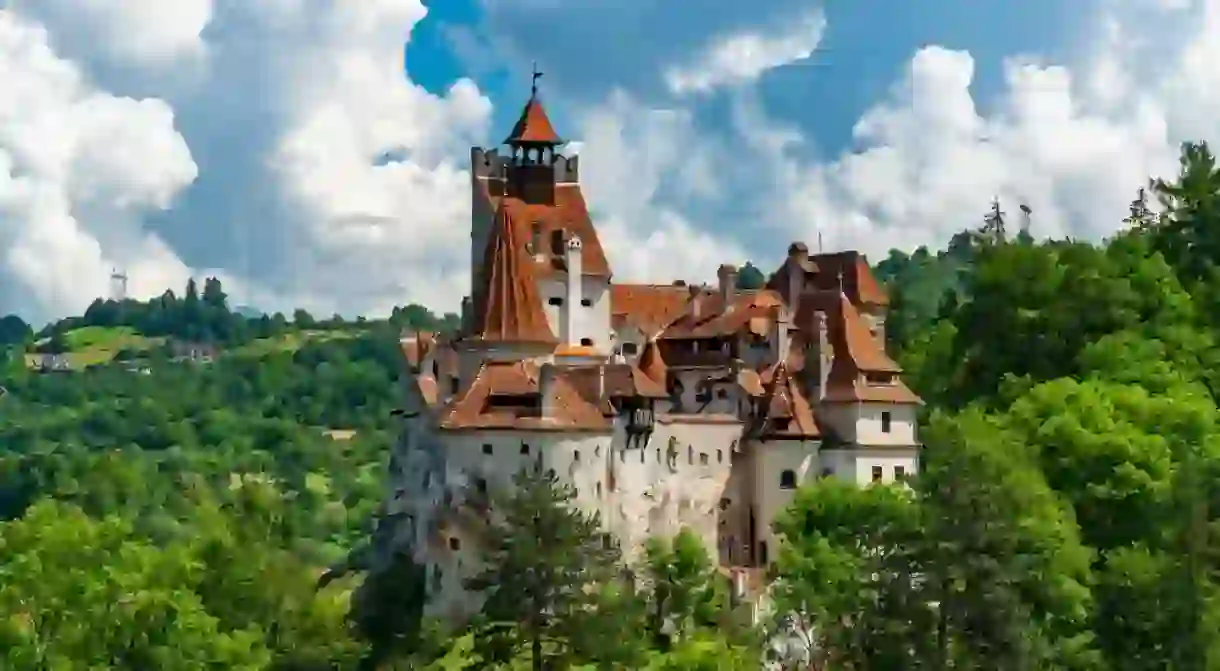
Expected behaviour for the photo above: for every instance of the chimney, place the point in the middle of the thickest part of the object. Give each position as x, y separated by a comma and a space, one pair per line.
694, 291
467, 314
798, 259
546, 389
783, 325
571, 303
727, 274
824, 355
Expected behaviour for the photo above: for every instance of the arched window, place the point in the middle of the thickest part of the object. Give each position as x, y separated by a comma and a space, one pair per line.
787, 479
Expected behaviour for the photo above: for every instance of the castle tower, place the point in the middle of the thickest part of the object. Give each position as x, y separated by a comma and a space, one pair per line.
538, 190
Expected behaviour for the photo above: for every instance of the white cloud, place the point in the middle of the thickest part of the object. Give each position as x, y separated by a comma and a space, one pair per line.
627, 151
741, 57
79, 169
327, 179
140, 33
1074, 142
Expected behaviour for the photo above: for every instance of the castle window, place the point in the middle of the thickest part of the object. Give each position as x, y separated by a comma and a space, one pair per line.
586, 302
576, 456
557, 242
454, 385
599, 490
555, 300
703, 458
629, 348
878, 473
690, 454
436, 370
885, 422
525, 448
586, 342
900, 473
455, 544
487, 448
720, 456
480, 486
597, 450
787, 479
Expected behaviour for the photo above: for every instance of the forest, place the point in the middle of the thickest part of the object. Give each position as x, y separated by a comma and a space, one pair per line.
190, 515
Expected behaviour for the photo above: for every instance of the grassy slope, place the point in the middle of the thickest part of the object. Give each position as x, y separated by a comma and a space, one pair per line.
289, 342
92, 345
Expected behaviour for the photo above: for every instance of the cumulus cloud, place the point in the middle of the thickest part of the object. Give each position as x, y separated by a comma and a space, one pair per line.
1072, 141
328, 179
78, 169
279, 144
741, 57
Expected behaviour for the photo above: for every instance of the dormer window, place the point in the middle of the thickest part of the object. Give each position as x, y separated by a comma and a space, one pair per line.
879, 378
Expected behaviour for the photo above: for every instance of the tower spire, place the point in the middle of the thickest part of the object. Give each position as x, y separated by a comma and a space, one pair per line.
534, 77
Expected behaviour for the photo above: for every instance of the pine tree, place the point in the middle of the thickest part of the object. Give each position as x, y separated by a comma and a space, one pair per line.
546, 564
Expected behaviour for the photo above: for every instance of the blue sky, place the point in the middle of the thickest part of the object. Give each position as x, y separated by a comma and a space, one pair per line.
285, 148
865, 48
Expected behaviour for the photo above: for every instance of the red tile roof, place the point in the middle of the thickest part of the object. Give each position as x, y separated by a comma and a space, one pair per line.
533, 127
507, 304
509, 396
649, 307
568, 215
822, 272
789, 414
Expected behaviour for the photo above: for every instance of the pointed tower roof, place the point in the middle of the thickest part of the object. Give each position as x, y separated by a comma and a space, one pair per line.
507, 305
533, 127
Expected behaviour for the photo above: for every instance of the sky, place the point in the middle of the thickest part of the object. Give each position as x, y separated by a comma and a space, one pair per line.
314, 153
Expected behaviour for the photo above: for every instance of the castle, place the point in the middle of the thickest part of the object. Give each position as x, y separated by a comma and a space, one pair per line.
663, 406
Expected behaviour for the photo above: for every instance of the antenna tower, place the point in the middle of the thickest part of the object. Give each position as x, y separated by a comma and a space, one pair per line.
118, 285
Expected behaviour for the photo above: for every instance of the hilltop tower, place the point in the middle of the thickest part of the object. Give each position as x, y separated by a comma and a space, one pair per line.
118, 285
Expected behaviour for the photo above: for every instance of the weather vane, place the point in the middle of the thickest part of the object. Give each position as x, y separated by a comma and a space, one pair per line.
534, 81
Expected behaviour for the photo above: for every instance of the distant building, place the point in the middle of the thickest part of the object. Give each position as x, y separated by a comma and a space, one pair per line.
49, 363
664, 406
183, 351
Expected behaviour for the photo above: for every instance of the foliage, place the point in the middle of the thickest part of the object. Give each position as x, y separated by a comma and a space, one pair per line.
545, 564
157, 513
